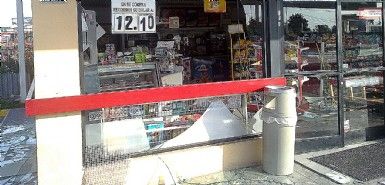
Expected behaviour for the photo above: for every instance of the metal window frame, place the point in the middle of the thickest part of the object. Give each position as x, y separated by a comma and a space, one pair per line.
383, 49
340, 86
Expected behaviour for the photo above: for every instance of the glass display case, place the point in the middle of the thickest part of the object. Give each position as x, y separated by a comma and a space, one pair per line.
127, 76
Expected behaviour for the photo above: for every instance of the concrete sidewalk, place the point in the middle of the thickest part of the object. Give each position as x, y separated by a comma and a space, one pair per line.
306, 172
17, 149
255, 175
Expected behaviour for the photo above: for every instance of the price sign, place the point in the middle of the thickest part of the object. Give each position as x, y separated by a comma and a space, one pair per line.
133, 16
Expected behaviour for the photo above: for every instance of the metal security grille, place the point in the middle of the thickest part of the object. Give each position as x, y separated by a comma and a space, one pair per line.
162, 121
169, 108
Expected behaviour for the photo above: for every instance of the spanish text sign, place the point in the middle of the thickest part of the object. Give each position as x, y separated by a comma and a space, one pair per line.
133, 16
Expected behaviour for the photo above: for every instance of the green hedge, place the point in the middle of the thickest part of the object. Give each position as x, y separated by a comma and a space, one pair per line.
6, 104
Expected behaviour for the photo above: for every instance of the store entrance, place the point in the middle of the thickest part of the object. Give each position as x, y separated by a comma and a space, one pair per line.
334, 57
311, 67
363, 65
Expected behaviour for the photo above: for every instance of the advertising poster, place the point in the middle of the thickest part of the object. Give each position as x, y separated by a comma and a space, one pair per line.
215, 6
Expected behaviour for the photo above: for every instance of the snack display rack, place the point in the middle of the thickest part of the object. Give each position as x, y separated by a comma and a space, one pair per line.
244, 54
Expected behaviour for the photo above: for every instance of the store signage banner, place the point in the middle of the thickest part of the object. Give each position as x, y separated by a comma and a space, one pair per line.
215, 6
133, 16
369, 14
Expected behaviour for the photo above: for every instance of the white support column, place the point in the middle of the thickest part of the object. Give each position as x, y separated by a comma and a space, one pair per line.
57, 74
21, 50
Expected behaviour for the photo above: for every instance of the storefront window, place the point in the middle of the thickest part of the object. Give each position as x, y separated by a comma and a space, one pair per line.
191, 42
311, 65
310, 36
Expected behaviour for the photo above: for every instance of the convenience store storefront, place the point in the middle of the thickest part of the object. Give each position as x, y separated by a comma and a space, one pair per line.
335, 60
242, 40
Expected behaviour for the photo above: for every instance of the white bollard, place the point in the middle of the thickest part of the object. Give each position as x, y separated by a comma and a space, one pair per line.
279, 117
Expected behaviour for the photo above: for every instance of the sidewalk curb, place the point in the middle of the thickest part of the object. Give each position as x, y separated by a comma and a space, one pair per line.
304, 160
324, 171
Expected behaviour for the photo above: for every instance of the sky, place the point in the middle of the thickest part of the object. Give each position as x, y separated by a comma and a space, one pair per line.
8, 11
314, 16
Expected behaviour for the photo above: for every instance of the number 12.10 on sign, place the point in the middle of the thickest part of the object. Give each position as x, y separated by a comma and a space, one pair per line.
133, 23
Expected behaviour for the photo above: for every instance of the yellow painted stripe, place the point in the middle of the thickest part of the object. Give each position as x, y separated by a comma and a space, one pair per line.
3, 112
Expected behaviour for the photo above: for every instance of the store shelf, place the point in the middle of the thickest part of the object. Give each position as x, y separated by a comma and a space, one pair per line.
241, 61
126, 87
169, 128
363, 59
363, 46
367, 69
122, 75
187, 29
151, 112
317, 73
126, 67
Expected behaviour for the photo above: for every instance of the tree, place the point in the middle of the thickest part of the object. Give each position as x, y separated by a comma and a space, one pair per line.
334, 29
323, 29
255, 28
297, 24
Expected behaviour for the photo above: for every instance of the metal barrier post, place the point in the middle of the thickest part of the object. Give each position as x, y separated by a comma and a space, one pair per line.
244, 109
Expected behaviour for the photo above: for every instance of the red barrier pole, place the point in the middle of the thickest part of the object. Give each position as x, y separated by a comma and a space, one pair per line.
142, 96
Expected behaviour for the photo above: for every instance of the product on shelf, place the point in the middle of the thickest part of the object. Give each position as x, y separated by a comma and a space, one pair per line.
140, 57
244, 59
186, 63
102, 58
110, 54
202, 71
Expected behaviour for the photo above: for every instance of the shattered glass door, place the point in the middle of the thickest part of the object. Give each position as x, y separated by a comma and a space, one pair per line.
363, 65
311, 65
